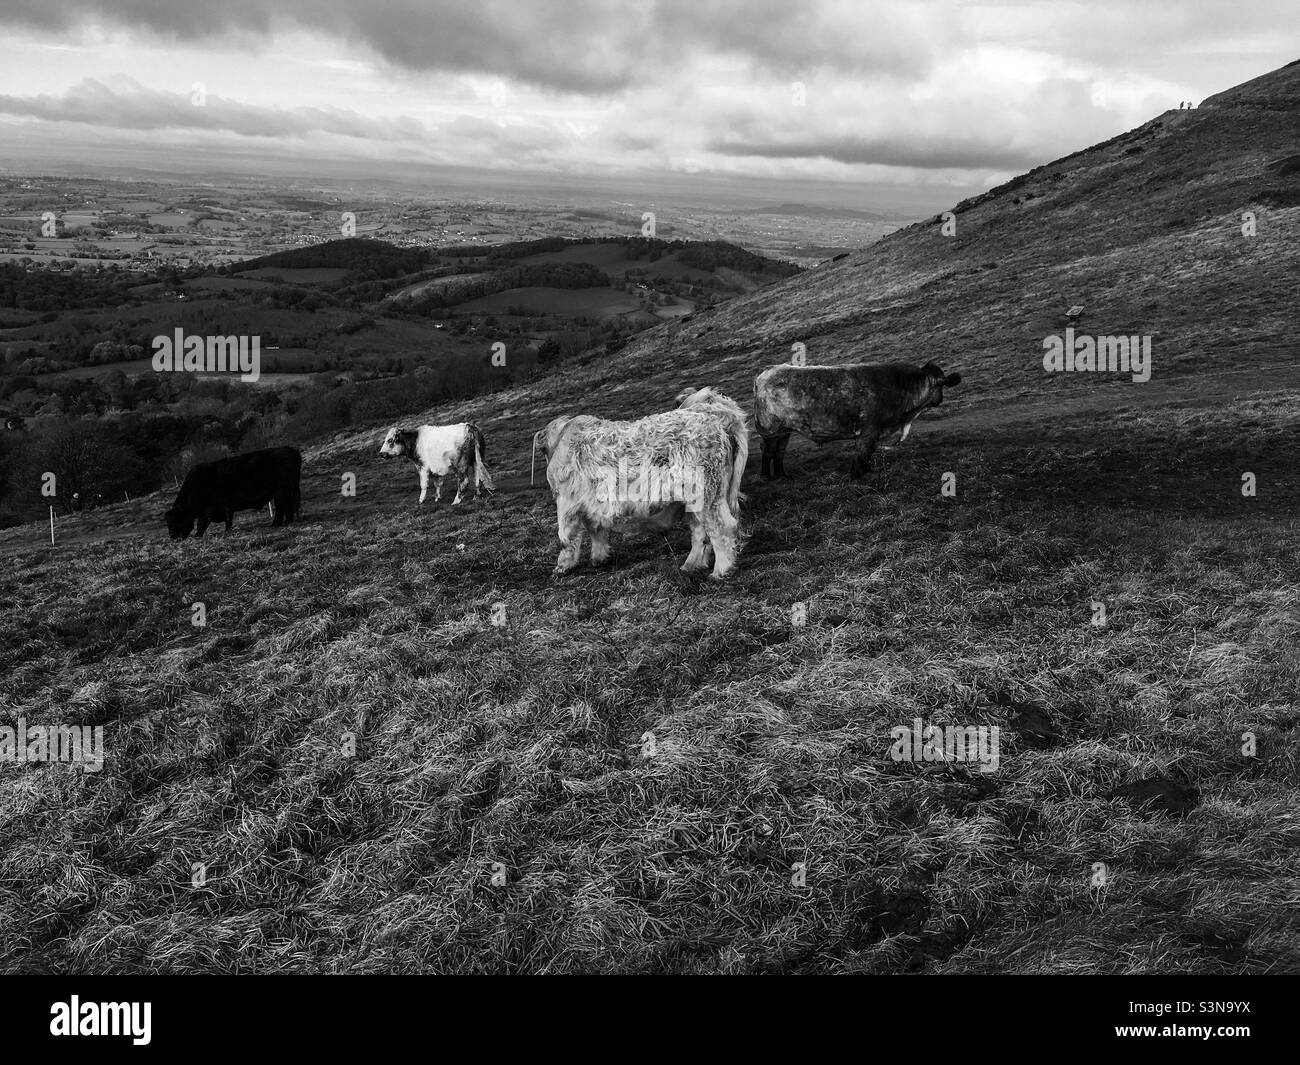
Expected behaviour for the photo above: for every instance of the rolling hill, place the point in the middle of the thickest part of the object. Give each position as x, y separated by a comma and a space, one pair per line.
349, 330
631, 770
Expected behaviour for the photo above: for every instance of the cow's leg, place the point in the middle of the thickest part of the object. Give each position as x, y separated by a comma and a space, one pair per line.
570, 525
202, 526
230, 519
698, 558
599, 543
723, 529
768, 468
437, 491
774, 455
424, 482
782, 442
861, 465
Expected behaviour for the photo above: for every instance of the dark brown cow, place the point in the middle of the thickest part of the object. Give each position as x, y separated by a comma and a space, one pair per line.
855, 400
213, 491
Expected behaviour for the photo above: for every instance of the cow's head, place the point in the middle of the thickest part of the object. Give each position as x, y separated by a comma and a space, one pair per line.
180, 523
398, 443
709, 401
553, 431
549, 438
936, 380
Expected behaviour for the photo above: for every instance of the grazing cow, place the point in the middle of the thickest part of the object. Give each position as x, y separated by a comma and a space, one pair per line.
651, 471
828, 403
440, 450
213, 491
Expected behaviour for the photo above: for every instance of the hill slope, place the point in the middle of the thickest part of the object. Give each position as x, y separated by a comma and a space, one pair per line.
630, 770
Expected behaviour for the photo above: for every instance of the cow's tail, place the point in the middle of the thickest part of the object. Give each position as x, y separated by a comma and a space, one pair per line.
738, 434
482, 476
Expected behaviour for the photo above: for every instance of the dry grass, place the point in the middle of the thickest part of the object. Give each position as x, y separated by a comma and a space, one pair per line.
526, 745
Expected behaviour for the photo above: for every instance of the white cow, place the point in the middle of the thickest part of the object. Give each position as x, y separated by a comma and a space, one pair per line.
651, 470
440, 450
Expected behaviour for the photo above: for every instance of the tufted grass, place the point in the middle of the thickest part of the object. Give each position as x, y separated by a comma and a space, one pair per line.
641, 759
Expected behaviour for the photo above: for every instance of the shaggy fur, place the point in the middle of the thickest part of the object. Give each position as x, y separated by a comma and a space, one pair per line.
653, 470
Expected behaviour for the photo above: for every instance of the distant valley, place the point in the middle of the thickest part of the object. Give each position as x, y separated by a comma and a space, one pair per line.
417, 304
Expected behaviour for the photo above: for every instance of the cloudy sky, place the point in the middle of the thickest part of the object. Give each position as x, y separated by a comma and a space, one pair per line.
915, 93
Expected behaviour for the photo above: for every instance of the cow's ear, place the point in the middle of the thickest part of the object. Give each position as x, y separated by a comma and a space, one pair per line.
931, 369
952, 379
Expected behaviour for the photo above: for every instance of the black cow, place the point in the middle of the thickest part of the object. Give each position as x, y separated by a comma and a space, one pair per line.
213, 491
856, 400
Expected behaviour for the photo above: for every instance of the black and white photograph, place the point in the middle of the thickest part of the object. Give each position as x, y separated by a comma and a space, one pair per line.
733, 487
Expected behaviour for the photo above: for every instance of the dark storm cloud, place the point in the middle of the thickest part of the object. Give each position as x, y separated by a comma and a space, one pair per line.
924, 153
765, 86
585, 46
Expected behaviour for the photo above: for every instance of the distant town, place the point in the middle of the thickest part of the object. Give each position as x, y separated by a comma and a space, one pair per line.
99, 224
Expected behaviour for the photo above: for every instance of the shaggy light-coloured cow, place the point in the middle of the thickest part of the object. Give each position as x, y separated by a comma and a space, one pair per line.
440, 450
651, 471
827, 403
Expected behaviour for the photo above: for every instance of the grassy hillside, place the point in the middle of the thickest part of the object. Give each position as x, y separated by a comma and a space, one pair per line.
622, 770
351, 255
